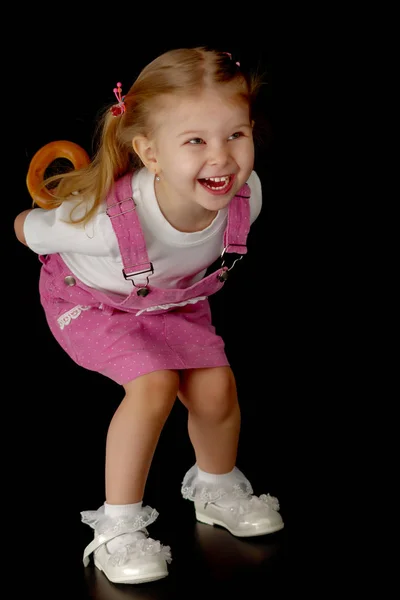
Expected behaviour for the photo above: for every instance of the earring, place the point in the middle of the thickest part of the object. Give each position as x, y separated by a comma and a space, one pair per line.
157, 178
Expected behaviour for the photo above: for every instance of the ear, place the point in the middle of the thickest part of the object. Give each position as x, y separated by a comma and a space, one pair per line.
252, 124
145, 150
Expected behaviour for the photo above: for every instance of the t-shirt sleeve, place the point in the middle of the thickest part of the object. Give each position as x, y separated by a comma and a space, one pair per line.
49, 232
256, 196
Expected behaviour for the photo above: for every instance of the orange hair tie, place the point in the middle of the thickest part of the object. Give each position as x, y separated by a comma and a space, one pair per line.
43, 159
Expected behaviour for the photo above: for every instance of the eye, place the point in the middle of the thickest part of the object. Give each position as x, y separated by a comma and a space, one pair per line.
195, 141
235, 135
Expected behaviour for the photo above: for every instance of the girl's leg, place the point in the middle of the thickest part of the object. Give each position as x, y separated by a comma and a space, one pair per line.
210, 396
134, 432
220, 491
129, 555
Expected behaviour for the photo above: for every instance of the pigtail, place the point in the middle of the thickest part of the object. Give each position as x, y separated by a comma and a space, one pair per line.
112, 159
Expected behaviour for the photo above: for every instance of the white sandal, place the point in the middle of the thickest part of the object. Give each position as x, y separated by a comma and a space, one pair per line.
230, 503
243, 517
140, 560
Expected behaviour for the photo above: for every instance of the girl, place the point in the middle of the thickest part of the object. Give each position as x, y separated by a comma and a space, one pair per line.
123, 284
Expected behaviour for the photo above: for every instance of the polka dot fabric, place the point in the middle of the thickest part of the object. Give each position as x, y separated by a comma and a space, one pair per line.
102, 332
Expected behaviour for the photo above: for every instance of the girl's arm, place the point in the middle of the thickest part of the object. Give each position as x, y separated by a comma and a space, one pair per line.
19, 225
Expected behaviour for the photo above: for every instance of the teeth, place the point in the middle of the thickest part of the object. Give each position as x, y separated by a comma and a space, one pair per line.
217, 179
210, 180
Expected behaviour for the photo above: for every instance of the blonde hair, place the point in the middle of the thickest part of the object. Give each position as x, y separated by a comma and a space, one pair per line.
181, 71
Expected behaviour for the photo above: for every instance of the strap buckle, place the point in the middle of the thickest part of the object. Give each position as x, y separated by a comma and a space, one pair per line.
128, 274
143, 290
232, 254
117, 204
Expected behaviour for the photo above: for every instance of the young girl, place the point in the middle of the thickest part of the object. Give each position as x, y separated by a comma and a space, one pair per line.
125, 291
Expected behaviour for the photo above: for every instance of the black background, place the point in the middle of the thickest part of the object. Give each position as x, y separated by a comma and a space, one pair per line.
66, 409
270, 313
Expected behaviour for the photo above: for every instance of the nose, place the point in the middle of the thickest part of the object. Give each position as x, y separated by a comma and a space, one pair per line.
218, 154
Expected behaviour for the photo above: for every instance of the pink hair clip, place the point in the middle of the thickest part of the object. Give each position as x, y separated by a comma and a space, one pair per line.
119, 108
230, 56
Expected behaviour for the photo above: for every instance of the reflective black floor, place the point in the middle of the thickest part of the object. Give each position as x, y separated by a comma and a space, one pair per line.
208, 562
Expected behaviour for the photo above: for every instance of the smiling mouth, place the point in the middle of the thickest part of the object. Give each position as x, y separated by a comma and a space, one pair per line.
217, 184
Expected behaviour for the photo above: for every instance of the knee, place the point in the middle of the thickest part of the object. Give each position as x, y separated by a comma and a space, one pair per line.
156, 392
218, 400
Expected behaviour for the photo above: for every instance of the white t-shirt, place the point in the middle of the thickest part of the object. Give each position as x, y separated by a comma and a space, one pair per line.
92, 254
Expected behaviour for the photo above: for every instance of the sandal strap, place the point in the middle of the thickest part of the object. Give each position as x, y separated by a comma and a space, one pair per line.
100, 540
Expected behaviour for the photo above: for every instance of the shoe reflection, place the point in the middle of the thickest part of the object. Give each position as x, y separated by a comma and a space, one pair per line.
217, 561
224, 553
100, 588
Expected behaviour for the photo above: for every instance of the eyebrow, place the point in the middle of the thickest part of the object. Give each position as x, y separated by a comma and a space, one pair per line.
198, 132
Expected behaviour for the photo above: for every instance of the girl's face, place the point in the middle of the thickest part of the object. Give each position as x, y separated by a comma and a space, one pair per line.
203, 148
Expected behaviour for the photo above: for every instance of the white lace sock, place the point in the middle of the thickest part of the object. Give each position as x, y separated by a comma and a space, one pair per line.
221, 479
214, 478
122, 510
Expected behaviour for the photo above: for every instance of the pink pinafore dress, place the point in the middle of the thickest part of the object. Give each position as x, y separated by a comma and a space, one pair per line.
108, 333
